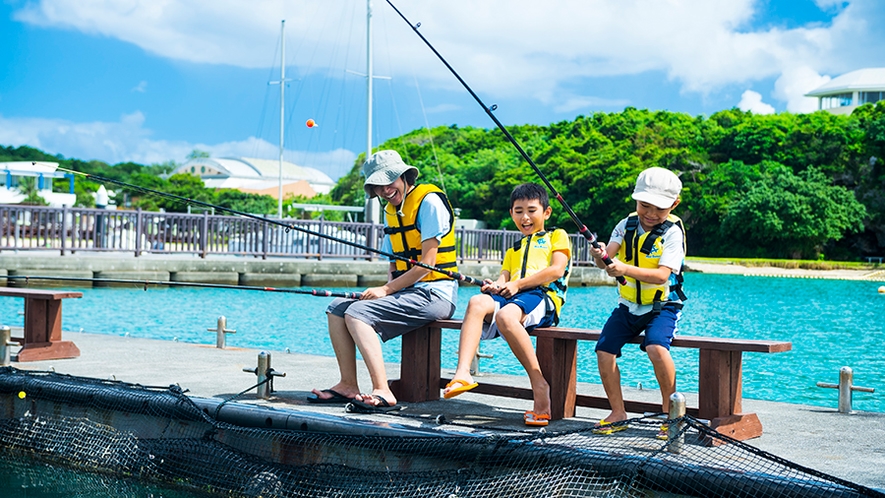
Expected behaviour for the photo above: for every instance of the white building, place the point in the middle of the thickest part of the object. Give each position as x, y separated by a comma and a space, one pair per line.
11, 174
258, 176
845, 93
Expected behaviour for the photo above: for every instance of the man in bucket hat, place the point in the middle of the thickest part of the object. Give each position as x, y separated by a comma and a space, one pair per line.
419, 225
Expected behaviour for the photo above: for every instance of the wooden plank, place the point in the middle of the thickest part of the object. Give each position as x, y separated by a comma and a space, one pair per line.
719, 383
680, 341
558, 359
38, 293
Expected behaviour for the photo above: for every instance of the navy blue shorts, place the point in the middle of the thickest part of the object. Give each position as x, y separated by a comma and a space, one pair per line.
621, 327
535, 305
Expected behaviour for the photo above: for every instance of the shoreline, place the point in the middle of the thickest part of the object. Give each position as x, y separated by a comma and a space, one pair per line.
871, 275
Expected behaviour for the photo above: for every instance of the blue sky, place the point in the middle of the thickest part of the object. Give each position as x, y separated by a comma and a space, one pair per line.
151, 80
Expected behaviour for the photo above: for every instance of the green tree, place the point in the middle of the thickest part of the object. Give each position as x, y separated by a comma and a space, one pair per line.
27, 185
788, 215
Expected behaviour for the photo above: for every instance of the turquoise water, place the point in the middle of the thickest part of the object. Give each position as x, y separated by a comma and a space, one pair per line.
831, 324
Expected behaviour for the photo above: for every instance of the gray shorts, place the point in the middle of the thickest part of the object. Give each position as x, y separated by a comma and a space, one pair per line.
394, 315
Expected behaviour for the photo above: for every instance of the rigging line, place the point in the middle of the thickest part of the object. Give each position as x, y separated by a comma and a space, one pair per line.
413, 262
263, 114
430, 134
582, 229
170, 283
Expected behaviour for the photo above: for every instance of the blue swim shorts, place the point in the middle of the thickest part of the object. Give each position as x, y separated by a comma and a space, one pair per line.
621, 327
535, 305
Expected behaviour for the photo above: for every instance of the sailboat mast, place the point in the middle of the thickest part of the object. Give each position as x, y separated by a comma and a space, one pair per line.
373, 208
369, 78
282, 112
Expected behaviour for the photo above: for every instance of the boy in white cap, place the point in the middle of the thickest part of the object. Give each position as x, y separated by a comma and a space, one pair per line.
419, 225
649, 249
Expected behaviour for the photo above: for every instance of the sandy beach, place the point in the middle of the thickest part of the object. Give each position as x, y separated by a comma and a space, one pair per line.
875, 275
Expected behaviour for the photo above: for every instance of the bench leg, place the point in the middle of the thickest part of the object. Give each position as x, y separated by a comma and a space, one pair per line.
419, 367
720, 397
42, 332
558, 359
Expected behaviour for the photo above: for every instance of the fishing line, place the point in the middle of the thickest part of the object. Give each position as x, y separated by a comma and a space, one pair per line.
452, 274
146, 283
582, 229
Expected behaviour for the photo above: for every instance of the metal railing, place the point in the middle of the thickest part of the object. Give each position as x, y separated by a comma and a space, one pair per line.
71, 230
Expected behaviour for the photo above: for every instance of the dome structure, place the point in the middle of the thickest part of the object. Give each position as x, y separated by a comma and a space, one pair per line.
258, 175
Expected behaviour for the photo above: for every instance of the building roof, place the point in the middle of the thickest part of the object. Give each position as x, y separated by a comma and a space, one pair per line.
31, 168
869, 79
246, 173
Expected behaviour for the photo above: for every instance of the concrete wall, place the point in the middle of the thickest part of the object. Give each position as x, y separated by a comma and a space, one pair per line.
234, 270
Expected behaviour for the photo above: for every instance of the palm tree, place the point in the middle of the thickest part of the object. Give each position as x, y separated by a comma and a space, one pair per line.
27, 185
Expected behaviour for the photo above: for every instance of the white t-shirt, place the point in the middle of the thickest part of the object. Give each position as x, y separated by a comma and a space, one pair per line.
672, 257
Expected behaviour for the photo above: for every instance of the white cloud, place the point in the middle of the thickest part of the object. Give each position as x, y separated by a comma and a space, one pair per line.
752, 101
141, 87
128, 140
792, 86
512, 48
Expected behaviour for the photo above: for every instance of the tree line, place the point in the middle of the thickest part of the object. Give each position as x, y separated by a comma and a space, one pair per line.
777, 186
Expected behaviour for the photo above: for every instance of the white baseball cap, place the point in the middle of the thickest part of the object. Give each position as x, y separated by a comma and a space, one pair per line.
657, 186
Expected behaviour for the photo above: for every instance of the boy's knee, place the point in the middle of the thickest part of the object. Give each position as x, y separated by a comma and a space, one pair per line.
657, 353
480, 303
509, 316
604, 359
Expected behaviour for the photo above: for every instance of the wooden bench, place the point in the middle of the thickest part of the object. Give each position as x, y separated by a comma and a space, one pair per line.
719, 375
42, 331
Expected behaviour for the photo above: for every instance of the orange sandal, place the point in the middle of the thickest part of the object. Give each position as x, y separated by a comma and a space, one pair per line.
536, 419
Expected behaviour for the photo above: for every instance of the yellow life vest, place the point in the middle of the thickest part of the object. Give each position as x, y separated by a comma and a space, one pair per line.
405, 238
645, 251
532, 261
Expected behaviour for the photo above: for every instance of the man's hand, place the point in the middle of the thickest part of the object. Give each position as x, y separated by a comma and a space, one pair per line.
374, 293
509, 289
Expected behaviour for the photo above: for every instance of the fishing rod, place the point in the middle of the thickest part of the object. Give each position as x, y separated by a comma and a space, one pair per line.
452, 274
582, 229
146, 283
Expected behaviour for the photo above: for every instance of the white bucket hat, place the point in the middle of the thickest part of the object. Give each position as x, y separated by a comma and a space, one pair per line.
657, 186
383, 168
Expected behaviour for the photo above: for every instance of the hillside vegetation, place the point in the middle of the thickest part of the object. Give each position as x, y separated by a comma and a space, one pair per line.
756, 186
777, 186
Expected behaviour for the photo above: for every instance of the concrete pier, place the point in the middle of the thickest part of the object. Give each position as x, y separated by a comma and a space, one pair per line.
233, 270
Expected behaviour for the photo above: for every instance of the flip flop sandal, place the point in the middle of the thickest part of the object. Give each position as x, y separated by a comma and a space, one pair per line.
461, 389
335, 398
606, 428
536, 419
663, 433
362, 407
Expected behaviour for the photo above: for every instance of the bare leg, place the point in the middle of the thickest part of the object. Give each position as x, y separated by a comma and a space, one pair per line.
345, 354
509, 320
366, 339
479, 308
611, 382
665, 372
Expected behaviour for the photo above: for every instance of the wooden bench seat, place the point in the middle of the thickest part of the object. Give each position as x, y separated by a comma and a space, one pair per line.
42, 329
719, 375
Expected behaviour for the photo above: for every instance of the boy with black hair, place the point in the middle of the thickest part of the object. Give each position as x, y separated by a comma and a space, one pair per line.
649, 249
529, 293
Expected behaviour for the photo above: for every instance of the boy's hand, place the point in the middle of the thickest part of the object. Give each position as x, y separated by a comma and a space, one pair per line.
509, 289
488, 287
616, 269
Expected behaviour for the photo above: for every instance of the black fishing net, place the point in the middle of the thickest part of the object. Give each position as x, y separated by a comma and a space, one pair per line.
105, 429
